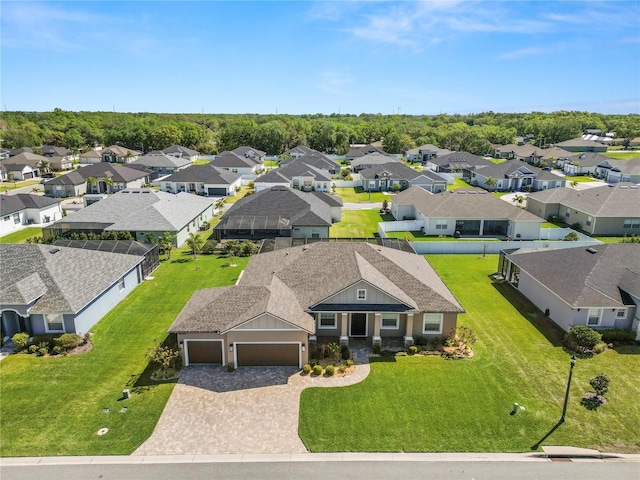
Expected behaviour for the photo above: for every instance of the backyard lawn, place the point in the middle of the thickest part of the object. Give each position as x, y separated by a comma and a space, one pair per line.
21, 236
239, 195
622, 155
579, 179
418, 236
358, 195
54, 406
458, 183
358, 224
429, 404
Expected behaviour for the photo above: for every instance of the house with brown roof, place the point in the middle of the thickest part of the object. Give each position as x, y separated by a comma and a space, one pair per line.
90, 157
606, 210
287, 299
118, 154
581, 145
469, 212
24, 166
596, 286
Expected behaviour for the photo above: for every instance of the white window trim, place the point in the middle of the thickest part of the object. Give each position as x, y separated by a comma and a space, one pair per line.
46, 323
364, 291
389, 316
599, 317
325, 327
122, 284
623, 311
432, 332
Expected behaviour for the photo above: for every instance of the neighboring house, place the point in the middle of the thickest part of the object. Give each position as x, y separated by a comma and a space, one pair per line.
583, 164
607, 210
51, 289
299, 151
316, 160
60, 163
467, 212
26, 209
372, 160
236, 163
108, 178
90, 157
515, 176
53, 151
4, 153
397, 176
203, 180
458, 163
361, 151
185, 153
4, 173
280, 212
526, 153
118, 154
141, 212
20, 150
580, 145
161, 163
150, 251
597, 286
615, 171
424, 153
24, 166
250, 152
287, 299
555, 156
296, 174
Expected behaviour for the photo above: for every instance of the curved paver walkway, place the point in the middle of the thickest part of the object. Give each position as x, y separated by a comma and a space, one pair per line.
252, 410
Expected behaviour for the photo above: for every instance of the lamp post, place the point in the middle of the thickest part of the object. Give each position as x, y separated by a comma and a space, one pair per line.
566, 395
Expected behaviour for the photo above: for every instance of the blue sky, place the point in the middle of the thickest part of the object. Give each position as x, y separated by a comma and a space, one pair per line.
321, 57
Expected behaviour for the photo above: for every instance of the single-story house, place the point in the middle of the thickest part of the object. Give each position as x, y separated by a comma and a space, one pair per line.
615, 171
4, 153
317, 160
392, 176
141, 212
583, 164
90, 157
606, 210
161, 163
108, 178
515, 176
250, 152
204, 180
118, 154
458, 162
597, 286
280, 212
24, 166
581, 145
18, 151
372, 160
297, 175
555, 156
288, 299
299, 151
467, 212
424, 153
185, 153
236, 163
26, 209
526, 153
361, 151
60, 163
51, 289
53, 151
4, 173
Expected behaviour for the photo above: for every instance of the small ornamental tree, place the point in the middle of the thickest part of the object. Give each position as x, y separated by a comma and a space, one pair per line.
165, 357
571, 237
582, 338
600, 384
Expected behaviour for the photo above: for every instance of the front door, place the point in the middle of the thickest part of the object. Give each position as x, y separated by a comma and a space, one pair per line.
358, 325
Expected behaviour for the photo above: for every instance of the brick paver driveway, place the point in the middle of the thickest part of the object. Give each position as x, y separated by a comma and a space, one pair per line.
252, 410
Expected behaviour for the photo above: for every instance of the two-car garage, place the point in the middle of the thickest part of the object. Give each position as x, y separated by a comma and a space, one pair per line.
203, 351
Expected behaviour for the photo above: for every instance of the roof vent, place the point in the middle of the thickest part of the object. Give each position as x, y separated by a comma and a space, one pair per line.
633, 187
623, 187
592, 250
55, 250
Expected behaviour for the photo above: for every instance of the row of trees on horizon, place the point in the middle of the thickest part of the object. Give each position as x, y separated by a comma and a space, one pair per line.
274, 134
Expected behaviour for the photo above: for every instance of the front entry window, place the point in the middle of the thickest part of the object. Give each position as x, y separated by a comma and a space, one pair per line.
54, 322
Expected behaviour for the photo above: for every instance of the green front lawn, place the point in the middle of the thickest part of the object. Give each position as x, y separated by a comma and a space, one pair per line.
429, 404
622, 155
579, 179
9, 185
358, 224
549, 225
21, 236
358, 195
54, 406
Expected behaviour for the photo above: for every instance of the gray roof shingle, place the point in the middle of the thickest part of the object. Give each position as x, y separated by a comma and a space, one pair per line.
204, 174
21, 201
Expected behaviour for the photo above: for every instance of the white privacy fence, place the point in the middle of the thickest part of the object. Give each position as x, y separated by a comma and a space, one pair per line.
399, 226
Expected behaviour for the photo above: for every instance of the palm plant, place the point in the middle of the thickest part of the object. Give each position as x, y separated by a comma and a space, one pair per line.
490, 182
91, 181
195, 242
519, 199
166, 243
108, 183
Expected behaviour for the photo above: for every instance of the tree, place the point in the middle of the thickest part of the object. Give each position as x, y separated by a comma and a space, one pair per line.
91, 181
195, 242
574, 184
108, 183
571, 237
519, 200
165, 243
490, 182
44, 166
600, 384
333, 188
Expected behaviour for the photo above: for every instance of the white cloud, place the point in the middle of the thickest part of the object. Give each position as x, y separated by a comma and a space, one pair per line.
523, 52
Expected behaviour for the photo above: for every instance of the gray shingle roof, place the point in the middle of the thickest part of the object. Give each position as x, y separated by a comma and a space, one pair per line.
179, 149
584, 279
398, 171
232, 160
289, 283
373, 159
160, 159
619, 200
428, 148
246, 151
53, 150
460, 160
141, 210
25, 158
464, 203
204, 174
15, 203
117, 173
63, 280
314, 160
285, 173
578, 142
588, 159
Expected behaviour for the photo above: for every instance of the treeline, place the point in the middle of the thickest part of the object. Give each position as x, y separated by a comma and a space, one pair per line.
212, 133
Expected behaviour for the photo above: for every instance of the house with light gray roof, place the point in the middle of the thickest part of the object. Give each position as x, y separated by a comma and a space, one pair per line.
597, 286
141, 212
52, 289
288, 300
397, 176
424, 153
161, 163
515, 176
465, 212
203, 180
22, 209
184, 153
615, 170
295, 174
